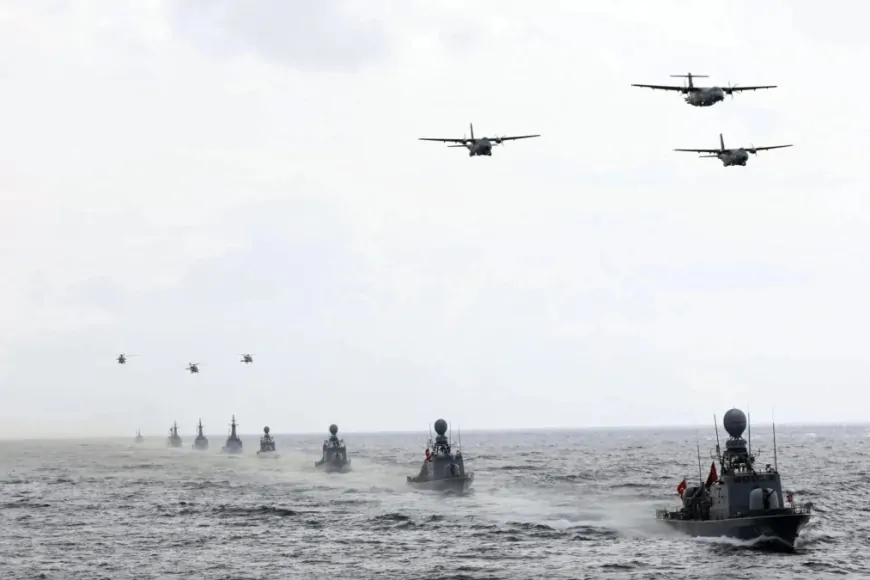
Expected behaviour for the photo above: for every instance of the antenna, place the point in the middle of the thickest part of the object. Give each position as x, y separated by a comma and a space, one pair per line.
749, 442
718, 449
698, 445
775, 467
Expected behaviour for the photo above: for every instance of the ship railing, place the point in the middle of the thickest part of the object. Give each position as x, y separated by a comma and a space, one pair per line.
802, 508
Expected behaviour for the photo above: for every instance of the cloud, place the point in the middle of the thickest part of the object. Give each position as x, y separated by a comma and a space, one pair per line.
311, 36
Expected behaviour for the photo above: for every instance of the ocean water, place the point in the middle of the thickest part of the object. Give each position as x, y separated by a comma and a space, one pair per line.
564, 504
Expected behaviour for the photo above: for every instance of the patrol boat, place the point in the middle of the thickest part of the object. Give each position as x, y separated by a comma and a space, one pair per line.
267, 445
201, 441
139, 438
233, 444
743, 502
442, 470
334, 457
174, 440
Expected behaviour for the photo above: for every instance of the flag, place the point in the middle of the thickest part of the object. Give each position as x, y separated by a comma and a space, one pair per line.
713, 477
681, 488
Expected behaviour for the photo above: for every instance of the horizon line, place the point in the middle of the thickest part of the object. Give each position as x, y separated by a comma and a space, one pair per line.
472, 431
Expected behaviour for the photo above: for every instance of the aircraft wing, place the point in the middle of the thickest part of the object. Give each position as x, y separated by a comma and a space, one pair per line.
769, 147
443, 140
667, 88
514, 137
700, 150
730, 90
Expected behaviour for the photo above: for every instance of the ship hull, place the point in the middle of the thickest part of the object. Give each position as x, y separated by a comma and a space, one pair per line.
784, 527
332, 467
448, 484
231, 450
173, 444
267, 454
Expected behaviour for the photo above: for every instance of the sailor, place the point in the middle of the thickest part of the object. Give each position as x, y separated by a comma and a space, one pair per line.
428, 455
765, 498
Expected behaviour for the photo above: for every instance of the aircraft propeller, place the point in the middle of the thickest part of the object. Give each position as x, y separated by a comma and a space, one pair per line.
730, 89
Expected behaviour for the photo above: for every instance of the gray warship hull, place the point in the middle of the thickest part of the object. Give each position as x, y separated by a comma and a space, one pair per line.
332, 467
267, 454
231, 450
200, 445
784, 526
459, 484
174, 443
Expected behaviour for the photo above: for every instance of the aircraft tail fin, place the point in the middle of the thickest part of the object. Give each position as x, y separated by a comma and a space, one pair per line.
471, 128
721, 142
689, 76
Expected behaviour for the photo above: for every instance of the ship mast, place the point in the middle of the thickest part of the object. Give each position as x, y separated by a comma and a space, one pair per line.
718, 448
775, 467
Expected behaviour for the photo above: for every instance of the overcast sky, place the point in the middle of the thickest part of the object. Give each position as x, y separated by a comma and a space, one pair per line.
187, 181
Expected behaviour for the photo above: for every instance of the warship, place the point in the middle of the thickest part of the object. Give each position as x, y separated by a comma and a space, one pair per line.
139, 438
174, 440
233, 444
443, 469
740, 501
334, 457
201, 441
267, 445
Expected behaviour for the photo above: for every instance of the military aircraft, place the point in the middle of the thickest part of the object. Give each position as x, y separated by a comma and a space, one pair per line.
729, 157
247, 358
193, 368
480, 146
703, 96
122, 358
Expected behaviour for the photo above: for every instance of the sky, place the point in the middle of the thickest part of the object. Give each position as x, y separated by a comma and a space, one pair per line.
189, 181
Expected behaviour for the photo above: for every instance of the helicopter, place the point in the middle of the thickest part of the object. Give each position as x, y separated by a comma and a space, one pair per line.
122, 358
247, 358
193, 368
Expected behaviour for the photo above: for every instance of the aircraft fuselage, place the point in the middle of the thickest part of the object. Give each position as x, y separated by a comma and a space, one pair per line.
479, 147
706, 97
734, 157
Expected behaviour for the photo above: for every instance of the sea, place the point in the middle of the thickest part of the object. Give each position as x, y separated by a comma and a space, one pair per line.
545, 504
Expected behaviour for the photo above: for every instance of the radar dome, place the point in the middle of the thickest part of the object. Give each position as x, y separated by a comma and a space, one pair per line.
266, 430
333, 428
441, 426
734, 422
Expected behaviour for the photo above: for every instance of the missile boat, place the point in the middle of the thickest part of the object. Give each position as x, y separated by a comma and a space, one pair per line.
741, 500
201, 441
173, 440
233, 444
267, 445
139, 438
334, 458
443, 469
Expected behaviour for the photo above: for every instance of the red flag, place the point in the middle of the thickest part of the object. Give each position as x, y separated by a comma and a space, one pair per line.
713, 477
681, 488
